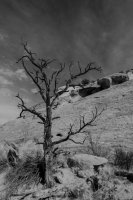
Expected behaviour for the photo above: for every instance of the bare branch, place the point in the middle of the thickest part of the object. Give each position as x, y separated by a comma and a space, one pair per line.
62, 67
57, 117
78, 142
34, 79
24, 108
82, 125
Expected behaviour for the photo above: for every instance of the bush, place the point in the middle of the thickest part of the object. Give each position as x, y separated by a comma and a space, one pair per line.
96, 148
85, 82
107, 188
73, 93
123, 159
27, 172
3, 164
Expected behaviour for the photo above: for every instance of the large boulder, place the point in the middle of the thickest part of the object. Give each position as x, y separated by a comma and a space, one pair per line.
85, 161
88, 91
119, 78
104, 83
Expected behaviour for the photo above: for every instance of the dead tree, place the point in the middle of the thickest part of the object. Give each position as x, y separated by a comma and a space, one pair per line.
47, 84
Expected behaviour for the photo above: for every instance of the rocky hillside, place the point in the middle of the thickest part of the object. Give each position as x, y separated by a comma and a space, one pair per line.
114, 127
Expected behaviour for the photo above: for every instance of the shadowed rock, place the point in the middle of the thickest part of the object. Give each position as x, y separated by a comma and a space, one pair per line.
88, 91
104, 83
119, 78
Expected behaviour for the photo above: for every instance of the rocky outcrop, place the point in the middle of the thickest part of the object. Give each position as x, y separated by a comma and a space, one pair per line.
104, 83
113, 79
88, 91
85, 161
119, 78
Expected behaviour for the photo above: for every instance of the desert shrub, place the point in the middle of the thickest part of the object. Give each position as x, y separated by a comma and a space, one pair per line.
77, 192
27, 172
106, 192
107, 188
3, 164
73, 93
96, 148
85, 81
123, 159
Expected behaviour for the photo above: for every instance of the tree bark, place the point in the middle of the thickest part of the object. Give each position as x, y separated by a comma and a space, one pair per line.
47, 146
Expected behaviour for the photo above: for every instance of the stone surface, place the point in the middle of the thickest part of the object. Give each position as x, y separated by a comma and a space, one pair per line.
119, 78
85, 173
88, 91
65, 176
85, 161
104, 83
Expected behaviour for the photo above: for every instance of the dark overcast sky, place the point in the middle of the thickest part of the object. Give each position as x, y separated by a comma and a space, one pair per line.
98, 30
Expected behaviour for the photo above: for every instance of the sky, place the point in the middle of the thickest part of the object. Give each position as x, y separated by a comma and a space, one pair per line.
68, 30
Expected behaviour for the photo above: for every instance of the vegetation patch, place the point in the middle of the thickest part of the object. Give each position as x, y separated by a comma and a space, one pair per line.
123, 159
26, 173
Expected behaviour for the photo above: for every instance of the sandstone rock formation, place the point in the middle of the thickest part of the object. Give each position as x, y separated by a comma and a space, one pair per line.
85, 161
83, 92
119, 78
104, 83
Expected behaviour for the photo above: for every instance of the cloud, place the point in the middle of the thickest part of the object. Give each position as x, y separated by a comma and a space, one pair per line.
18, 74
26, 100
34, 91
5, 92
6, 72
4, 81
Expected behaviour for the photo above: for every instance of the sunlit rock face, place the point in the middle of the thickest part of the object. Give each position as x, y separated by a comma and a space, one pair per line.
130, 74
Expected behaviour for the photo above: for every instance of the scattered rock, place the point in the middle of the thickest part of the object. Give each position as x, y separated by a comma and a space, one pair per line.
64, 176
85, 161
85, 173
94, 182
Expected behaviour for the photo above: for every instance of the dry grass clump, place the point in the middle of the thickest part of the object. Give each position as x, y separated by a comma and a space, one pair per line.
107, 187
3, 164
123, 159
26, 173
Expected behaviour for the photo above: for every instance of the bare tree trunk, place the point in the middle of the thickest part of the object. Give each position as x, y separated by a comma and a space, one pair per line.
47, 165
47, 147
